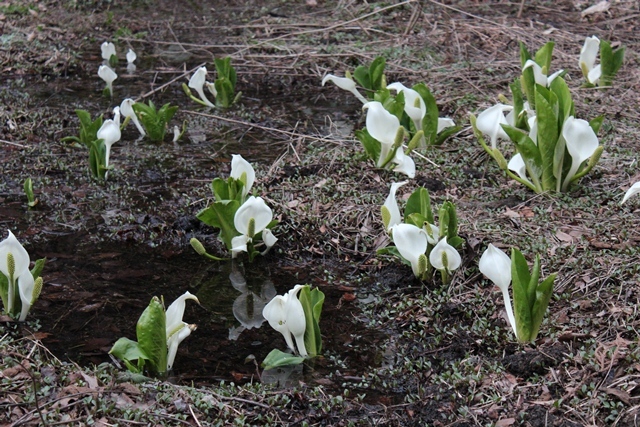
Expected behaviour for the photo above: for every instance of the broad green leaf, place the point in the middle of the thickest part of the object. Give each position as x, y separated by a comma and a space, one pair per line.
277, 358
543, 295
543, 56
152, 335
395, 105
565, 103
128, 351
446, 133
221, 215
4, 291
370, 144
518, 105
416, 219
520, 279
596, 123
527, 149
312, 302
533, 282
361, 75
610, 62
419, 202
36, 271
451, 217
548, 133
376, 72
430, 119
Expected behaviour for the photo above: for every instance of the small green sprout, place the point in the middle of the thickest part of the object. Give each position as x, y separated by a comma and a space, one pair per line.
28, 191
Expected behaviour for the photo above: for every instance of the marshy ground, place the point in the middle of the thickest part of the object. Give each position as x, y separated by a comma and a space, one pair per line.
397, 351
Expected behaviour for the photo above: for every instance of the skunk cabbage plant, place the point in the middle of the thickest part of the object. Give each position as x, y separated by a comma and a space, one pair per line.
553, 148
19, 286
418, 241
243, 220
530, 297
159, 334
108, 75
126, 108
610, 62
296, 315
345, 83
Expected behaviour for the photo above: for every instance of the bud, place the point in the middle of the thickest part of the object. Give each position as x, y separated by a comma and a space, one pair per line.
197, 246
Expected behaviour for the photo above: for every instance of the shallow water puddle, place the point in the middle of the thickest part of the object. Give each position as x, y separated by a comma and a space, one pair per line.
94, 295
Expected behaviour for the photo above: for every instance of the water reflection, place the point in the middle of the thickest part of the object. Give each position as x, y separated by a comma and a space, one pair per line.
247, 307
223, 300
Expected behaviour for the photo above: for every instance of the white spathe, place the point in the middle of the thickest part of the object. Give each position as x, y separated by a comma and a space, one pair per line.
490, 120
107, 49
126, 108
541, 78
496, 266
516, 164
581, 142
108, 75
286, 315
176, 329
243, 171
633, 190
444, 252
414, 105
587, 61
345, 83
392, 206
404, 163
20, 273
411, 242
109, 133
197, 82
131, 56
382, 126
255, 210
443, 123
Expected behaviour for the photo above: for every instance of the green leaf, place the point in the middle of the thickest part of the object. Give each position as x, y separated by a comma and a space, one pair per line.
277, 358
4, 291
610, 62
446, 133
371, 145
520, 279
376, 72
312, 302
430, 119
527, 79
596, 123
220, 215
451, 227
528, 150
151, 331
548, 133
518, 105
419, 202
543, 56
36, 271
361, 75
565, 103
128, 351
543, 295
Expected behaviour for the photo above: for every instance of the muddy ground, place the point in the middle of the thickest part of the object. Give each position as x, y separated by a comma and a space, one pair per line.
397, 351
